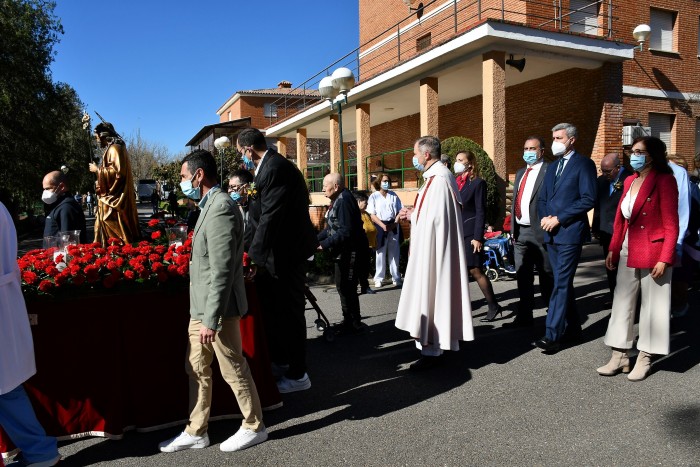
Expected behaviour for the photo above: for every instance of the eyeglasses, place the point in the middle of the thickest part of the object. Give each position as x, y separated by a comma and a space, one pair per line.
235, 187
609, 171
638, 152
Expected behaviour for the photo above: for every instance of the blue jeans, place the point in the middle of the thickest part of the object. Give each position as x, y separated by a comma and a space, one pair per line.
19, 421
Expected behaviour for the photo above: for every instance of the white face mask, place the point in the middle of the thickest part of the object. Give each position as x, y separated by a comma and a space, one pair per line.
558, 148
49, 196
459, 167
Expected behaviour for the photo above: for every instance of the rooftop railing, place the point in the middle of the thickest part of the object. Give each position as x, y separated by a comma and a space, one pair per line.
443, 20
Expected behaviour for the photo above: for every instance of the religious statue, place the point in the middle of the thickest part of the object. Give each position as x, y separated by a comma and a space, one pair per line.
116, 215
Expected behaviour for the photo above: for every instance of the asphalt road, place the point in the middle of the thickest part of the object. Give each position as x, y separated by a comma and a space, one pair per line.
498, 401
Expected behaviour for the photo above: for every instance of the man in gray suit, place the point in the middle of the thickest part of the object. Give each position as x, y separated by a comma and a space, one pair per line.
527, 232
217, 302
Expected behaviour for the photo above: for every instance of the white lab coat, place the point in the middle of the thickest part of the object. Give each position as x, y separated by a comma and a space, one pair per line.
16, 345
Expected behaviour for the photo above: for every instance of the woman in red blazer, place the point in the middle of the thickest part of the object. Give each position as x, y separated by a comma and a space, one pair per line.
642, 248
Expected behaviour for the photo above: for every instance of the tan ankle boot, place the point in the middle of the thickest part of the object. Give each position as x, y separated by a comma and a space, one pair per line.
641, 368
619, 362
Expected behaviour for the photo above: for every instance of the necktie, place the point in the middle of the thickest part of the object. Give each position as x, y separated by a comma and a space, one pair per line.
519, 198
560, 169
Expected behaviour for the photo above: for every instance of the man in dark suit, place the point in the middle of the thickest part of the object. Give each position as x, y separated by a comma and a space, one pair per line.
279, 239
609, 192
528, 234
566, 196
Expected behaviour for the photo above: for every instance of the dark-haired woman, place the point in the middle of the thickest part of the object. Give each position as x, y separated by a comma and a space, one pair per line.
642, 248
472, 189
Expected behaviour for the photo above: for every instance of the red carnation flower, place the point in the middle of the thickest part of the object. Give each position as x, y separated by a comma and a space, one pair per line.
78, 279
45, 286
29, 277
129, 275
153, 222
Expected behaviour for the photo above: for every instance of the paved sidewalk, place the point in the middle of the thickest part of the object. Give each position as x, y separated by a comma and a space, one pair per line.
499, 401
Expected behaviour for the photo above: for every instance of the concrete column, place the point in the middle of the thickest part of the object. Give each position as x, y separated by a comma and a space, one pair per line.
362, 127
334, 142
282, 145
494, 118
302, 153
429, 106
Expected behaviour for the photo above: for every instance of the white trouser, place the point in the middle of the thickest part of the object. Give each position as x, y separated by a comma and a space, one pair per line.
654, 314
390, 252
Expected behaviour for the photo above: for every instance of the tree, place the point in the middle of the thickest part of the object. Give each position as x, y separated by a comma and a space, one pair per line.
145, 156
451, 146
40, 128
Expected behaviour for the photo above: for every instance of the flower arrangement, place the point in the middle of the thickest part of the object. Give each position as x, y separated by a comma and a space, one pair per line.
97, 267
252, 191
617, 185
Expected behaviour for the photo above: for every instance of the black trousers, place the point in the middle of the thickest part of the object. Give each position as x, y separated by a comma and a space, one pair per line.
363, 268
346, 280
531, 254
605, 239
283, 305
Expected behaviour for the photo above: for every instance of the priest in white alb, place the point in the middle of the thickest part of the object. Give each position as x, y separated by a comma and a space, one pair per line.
435, 307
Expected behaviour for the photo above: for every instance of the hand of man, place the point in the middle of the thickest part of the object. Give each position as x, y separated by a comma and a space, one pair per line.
405, 213
476, 244
658, 270
206, 335
549, 223
92, 167
609, 262
252, 270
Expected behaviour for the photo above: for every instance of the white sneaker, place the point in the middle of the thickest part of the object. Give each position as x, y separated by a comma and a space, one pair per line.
184, 441
377, 284
286, 385
244, 438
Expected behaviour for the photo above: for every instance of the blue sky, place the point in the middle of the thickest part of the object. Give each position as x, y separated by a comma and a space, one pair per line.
164, 68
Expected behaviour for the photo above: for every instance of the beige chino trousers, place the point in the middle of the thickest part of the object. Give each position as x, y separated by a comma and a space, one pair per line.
655, 310
234, 369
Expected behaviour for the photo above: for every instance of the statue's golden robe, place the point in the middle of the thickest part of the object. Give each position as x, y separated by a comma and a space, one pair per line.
116, 215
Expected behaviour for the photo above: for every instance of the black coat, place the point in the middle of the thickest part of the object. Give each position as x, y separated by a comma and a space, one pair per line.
344, 231
279, 234
473, 195
65, 214
606, 204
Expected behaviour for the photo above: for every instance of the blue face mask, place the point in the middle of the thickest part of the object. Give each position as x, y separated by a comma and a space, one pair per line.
638, 162
188, 190
530, 157
385, 185
236, 196
418, 165
248, 162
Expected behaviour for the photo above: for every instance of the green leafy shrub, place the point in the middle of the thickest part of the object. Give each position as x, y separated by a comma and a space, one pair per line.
453, 145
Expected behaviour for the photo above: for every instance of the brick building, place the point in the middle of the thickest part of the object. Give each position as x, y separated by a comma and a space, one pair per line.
455, 68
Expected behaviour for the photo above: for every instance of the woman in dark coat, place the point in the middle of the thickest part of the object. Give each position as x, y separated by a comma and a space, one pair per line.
472, 189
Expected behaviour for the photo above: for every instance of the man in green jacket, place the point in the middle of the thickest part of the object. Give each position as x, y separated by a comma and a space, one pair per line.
217, 302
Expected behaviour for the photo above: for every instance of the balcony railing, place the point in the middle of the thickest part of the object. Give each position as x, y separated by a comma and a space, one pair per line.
444, 20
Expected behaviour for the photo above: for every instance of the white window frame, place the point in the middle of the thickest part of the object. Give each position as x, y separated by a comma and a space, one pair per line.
584, 16
662, 127
270, 110
663, 25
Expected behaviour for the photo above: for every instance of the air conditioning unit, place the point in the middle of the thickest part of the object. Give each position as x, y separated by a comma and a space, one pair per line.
631, 132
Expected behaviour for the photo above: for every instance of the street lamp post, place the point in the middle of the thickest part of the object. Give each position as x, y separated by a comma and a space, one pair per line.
341, 81
221, 144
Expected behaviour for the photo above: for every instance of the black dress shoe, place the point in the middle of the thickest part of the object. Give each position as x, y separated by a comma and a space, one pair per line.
369, 291
548, 345
572, 337
519, 322
425, 362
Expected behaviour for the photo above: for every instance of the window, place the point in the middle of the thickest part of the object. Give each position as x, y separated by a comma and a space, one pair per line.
662, 23
423, 42
584, 16
270, 110
661, 126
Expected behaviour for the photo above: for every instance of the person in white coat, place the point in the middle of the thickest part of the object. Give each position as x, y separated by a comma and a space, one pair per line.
17, 416
435, 307
384, 206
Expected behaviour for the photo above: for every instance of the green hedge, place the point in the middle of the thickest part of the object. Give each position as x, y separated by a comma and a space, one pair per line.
453, 145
